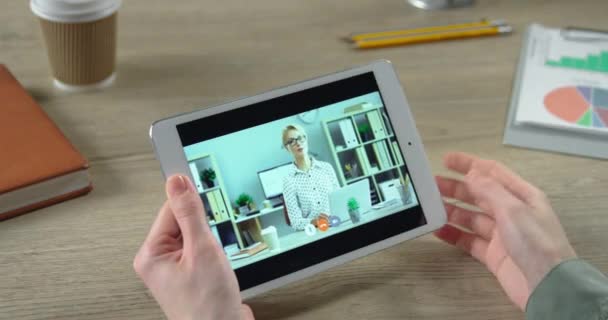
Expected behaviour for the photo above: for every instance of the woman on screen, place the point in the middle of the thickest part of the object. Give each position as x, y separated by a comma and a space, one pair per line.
307, 186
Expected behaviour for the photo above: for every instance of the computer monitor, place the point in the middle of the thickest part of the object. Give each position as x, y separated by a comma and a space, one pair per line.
272, 180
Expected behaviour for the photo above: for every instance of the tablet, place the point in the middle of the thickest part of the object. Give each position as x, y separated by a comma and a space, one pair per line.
306, 177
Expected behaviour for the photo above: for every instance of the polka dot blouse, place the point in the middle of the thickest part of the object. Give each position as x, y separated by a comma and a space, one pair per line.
306, 193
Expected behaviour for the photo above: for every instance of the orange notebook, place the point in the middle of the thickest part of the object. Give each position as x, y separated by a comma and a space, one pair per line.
38, 165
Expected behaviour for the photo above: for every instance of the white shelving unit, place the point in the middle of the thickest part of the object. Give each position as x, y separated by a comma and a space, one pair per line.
363, 146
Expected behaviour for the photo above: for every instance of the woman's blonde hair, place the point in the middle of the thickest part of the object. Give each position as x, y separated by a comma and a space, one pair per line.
291, 127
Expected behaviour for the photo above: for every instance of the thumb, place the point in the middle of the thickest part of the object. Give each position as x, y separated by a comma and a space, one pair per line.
187, 208
246, 312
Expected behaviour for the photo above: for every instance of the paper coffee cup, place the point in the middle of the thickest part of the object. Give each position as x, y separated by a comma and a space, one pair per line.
80, 37
271, 238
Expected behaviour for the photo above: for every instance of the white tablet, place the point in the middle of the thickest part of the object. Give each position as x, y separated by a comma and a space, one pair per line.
306, 177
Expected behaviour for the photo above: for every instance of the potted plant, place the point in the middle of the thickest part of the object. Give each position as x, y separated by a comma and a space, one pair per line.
365, 131
353, 210
243, 202
208, 177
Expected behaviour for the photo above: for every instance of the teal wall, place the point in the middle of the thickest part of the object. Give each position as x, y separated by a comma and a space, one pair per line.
241, 155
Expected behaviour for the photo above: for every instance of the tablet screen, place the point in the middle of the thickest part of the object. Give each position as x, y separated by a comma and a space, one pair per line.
293, 181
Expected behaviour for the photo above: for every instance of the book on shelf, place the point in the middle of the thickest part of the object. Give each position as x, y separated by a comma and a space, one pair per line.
247, 238
39, 165
348, 133
249, 251
374, 195
376, 124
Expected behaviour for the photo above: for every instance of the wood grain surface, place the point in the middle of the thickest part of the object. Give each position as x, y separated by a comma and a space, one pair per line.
74, 260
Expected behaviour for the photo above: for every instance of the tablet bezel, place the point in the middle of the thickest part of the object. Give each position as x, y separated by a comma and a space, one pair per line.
170, 153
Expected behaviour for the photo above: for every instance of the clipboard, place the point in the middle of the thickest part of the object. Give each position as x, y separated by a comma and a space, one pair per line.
567, 139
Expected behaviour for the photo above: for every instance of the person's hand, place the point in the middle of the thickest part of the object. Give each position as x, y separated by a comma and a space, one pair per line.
515, 232
183, 265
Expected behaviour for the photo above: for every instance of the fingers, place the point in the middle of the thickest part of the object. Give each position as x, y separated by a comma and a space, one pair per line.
493, 198
187, 208
477, 222
455, 189
469, 243
459, 161
464, 163
165, 223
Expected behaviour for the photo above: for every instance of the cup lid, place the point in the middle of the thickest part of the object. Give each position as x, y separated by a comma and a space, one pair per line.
74, 10
269, 230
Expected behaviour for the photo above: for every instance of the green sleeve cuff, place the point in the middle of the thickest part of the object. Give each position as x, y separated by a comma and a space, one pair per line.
571, 290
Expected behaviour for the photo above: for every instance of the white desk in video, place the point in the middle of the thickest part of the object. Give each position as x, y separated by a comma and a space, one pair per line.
299, 238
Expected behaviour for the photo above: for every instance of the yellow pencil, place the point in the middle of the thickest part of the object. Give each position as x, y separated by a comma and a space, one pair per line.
429, 37
451, 27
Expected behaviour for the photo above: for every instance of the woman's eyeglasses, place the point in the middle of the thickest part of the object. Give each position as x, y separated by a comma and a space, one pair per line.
292, 141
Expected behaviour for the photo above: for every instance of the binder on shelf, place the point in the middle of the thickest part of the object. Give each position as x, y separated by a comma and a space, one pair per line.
376, 124
398, 155
387, 152
348, 133
363, 160
377, 154
387, 123
196, 176
221, 204
213, 205
383, 156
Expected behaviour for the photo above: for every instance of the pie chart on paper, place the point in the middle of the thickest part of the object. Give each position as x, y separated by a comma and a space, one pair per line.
579, 105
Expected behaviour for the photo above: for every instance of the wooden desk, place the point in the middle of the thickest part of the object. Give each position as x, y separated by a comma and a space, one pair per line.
74, 260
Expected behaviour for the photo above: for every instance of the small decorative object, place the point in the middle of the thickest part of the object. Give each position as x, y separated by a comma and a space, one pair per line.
322, 224
365, 131
351, 170
310, 230
404, 190
208, 177
348, 171
243, 202
353, 210
334, 221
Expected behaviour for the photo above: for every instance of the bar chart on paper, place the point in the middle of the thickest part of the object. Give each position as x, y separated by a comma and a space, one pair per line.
581, 105
585, 52
592, 62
